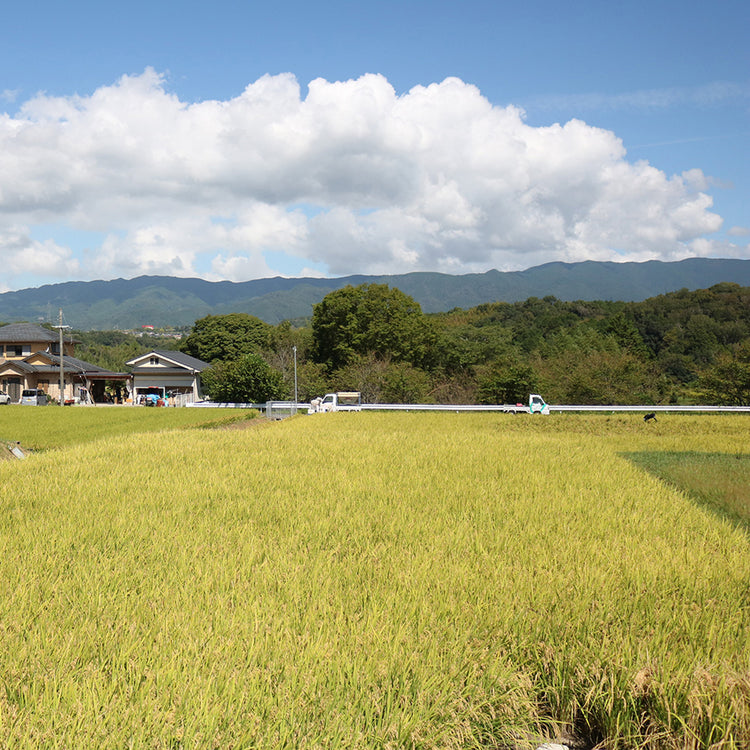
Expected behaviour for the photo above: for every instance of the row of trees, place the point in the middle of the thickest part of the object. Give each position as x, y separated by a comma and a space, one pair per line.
683, 347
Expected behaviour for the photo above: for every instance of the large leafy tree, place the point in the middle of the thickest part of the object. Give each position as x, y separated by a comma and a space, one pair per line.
506, 381
226, 337
728, 381
247, 379
371, 319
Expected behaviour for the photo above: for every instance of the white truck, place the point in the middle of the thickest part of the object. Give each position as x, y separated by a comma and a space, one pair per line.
339, 401
536, 405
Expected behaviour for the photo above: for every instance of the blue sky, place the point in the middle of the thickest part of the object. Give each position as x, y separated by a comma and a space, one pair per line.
169, 137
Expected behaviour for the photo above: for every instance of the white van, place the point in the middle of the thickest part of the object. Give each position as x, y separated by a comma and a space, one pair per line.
34, 397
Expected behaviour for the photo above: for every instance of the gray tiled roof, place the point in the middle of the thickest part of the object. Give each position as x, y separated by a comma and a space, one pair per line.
73, 364
184, 359
24, 333
70, 365
192, 363
19, 364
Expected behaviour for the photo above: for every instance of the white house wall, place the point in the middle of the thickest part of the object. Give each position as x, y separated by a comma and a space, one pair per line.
168, 382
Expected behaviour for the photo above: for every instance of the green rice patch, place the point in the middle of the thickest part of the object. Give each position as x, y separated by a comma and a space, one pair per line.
718, 481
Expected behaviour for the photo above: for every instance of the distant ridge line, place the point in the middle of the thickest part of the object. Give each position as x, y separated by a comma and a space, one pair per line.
174, 301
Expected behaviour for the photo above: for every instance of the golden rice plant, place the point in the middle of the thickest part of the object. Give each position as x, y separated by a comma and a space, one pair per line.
372, 581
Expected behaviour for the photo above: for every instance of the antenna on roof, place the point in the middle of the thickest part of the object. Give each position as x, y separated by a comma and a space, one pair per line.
60, 326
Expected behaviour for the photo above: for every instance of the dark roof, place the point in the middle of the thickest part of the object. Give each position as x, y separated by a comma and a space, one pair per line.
184, 359
71, 364
28, 333
18, 364
23, 333
159, 372
191, 363
104, 375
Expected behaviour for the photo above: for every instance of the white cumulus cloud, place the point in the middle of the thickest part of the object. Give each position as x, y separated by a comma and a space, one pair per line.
352, 177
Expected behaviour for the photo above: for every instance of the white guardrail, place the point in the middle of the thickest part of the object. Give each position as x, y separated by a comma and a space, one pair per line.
226, 405
275, 409
659, 408
552, 407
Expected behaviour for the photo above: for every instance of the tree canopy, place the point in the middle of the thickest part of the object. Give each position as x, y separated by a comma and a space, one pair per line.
728, 380
225, 337
247, 379
371, 319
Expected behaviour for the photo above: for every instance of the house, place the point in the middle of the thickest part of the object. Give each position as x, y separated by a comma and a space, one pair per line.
30, 358
18, 340
167, 374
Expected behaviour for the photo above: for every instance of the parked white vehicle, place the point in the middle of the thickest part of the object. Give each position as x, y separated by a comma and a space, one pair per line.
4, 398
537, 405
339, 401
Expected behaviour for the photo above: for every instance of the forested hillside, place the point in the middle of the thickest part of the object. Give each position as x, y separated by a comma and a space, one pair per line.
668, 348
165, 301
682, 347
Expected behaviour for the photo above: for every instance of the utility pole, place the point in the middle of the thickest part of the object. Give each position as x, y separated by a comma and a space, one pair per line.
294, 349
60, 326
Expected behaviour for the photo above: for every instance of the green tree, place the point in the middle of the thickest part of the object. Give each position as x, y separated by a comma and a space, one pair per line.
623, 330
371, 319
281, 356
506, 381
364, 373
606, 376
463, 344
225, 337
312, 381
728, 381
381, 381
247, 379
405, 384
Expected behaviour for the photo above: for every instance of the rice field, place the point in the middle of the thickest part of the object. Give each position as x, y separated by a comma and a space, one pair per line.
43, 428
372, 581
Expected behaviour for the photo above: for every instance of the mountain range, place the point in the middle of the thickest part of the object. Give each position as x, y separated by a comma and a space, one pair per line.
166, 301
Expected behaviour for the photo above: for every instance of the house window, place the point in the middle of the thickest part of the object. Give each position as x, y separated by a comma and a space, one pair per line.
14, 350
153, 361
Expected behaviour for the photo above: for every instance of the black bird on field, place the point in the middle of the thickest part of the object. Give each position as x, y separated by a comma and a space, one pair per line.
650, 416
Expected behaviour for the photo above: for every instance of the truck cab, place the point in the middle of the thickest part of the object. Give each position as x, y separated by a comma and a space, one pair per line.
537, 404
